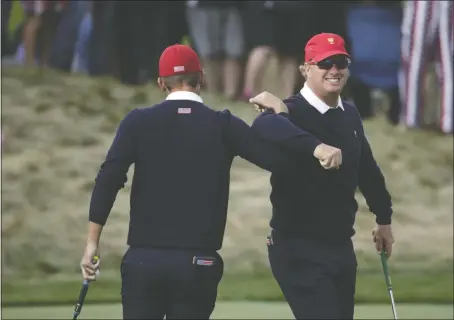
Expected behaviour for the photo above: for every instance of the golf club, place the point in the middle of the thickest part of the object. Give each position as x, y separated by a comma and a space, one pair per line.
83, 293
384, 262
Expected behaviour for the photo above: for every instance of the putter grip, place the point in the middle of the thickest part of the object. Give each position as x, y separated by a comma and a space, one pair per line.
384, 262
82, 294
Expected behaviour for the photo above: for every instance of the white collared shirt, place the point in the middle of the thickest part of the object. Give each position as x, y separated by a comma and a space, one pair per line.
184, 95
316, 102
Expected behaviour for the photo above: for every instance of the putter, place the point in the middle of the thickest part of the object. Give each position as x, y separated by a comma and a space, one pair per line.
83, 293
384, 262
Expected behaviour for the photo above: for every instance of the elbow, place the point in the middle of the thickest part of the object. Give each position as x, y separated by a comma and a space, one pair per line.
258, 126
265, 127
112, 175
114, 182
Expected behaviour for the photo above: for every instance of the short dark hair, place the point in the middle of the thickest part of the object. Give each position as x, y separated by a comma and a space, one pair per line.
191, 79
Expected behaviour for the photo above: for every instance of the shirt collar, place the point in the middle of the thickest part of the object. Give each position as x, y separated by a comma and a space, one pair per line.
316, 102
184, 95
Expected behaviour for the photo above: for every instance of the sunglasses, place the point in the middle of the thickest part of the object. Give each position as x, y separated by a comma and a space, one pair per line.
341, 62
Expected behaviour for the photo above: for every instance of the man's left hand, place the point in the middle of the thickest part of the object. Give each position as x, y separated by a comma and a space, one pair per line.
266, 100
383, 238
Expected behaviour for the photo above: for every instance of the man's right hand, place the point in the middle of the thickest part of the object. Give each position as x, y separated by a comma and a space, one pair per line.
329, 157
89, 265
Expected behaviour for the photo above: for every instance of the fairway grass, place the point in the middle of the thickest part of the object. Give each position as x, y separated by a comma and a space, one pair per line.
235, 310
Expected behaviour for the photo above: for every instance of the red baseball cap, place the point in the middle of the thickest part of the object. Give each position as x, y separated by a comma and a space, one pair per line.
324, 45
178, 59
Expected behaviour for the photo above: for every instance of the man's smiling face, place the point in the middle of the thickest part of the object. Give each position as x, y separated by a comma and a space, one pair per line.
329, 75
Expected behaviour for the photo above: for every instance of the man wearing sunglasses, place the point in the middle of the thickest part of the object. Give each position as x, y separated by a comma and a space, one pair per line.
310, 248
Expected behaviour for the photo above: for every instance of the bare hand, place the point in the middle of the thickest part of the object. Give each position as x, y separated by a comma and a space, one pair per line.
329, 157
89, 265
383, 238
267, 101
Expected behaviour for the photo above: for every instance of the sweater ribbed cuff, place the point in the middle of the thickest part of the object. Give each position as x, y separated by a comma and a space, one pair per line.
383, 219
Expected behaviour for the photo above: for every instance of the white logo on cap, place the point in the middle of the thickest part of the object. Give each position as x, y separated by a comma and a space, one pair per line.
178, 69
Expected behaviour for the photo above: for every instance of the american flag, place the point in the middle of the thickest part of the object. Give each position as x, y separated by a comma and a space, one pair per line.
184, 110
203, 261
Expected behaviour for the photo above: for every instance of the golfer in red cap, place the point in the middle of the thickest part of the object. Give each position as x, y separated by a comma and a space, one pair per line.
310, 248
182, 151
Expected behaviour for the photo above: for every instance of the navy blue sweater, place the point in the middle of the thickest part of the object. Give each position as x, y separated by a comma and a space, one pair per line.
182, 163
317, 203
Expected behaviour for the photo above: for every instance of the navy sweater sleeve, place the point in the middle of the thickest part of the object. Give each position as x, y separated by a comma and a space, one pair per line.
372, 185
247, 144
278, 129
112, 175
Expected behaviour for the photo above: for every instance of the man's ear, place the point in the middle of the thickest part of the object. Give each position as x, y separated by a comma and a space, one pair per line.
201, 79
161, 84
302, 70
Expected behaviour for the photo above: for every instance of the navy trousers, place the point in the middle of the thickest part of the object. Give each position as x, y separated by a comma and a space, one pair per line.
317, 279
175, 283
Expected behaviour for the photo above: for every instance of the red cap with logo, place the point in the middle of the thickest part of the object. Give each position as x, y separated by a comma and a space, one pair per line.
178, 59
324, 45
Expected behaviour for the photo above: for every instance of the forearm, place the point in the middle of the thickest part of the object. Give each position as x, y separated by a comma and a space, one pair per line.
246, 143
378, 198
94, 233
373, 187
278, 129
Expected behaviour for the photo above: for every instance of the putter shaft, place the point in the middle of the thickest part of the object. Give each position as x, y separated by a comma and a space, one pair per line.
384, 261
393, 304
80, 302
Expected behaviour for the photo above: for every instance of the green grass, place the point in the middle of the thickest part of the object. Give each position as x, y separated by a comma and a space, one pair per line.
235, 310
371, 288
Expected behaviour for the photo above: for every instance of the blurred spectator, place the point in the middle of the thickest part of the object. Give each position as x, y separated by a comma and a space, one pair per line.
6, 11
42, 19
143, 29
80, 57
101, 41
216, 28
168, 26
427, 33
67, 33
124, 39
274, 28
133, 31
373, 30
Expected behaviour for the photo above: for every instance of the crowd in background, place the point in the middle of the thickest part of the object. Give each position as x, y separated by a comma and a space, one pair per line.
391, 43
